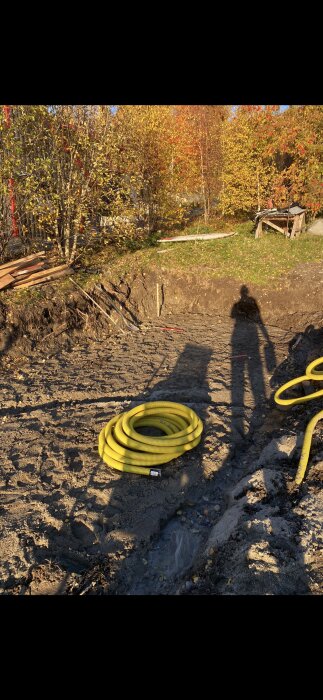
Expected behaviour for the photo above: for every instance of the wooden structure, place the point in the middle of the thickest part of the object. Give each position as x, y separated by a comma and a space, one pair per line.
29, 271
291, 221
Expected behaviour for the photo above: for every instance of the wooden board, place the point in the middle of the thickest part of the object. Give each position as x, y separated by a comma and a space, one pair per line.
22, 273
197, 237
279, 218
49, 278
297, 225
14, 268
43, 273
5, 281
259, 229
7, 271
12, 263
269, 223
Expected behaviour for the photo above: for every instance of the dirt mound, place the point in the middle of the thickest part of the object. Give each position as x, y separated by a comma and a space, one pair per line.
57, 320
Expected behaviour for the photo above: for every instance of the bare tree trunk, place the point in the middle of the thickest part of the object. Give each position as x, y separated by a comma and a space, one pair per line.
208, 207
203, 185
258, 189
57, 238
76, 230
148, 222
67, 241
223, 143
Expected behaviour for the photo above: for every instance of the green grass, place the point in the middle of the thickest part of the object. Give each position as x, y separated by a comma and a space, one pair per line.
240, 257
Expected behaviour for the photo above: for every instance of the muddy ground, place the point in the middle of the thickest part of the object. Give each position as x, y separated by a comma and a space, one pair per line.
224, 518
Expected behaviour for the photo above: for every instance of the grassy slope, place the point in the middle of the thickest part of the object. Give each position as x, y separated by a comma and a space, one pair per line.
238, 257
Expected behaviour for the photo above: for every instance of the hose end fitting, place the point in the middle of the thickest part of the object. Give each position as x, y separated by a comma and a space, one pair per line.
155, 472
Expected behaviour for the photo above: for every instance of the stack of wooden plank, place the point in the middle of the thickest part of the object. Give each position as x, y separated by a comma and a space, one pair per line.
30, 271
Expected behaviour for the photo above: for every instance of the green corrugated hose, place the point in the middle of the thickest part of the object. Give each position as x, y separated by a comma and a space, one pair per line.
311, 374
123, 447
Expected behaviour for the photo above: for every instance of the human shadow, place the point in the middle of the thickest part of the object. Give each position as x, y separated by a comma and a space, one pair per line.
267, 532
246, 364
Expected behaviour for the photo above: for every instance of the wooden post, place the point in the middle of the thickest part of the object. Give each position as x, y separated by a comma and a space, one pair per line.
259, 229
157, 299
301, 222
295, 228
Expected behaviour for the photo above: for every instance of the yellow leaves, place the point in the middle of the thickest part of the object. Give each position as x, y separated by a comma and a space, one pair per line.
278, 146
144, 159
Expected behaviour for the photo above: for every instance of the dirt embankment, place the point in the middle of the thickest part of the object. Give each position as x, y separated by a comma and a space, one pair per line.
224, 518
56, 318
299, 292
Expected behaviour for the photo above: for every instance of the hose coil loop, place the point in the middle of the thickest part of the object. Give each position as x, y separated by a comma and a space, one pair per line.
311, 374
122, 447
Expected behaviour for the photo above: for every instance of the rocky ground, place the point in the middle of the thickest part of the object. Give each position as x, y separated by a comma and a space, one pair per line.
225, 518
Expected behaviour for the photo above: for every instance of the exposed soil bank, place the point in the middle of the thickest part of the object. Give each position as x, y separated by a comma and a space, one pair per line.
301, 291
56, 318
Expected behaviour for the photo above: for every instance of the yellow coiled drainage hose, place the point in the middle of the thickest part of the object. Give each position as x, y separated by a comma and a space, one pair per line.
122, 447
311, 373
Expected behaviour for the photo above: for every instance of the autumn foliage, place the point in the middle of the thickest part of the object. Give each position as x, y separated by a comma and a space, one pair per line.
147, 166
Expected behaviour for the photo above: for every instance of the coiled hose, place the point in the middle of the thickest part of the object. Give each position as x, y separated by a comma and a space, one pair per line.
315, 375
124, 448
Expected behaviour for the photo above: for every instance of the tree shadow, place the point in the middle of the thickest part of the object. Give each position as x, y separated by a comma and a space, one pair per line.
186, 384
137, 505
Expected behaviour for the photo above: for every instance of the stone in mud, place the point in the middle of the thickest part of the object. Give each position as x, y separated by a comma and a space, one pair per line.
250, 491
253, 489
279, 449
225, 527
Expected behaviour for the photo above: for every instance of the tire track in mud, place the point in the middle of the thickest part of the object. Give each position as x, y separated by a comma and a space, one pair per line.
65, 512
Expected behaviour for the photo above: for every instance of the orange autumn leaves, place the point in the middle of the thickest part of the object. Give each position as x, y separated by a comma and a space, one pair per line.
148, 164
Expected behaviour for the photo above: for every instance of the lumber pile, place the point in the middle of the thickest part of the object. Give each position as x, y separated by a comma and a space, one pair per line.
30, 271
